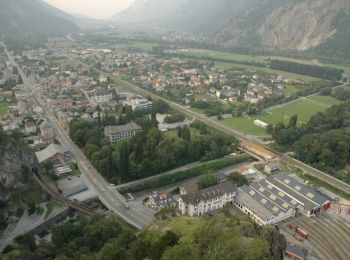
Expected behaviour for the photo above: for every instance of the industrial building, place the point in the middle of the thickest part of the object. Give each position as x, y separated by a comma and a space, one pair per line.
72, 186
278, 198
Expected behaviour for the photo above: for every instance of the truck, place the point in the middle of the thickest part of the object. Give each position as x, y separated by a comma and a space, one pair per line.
297, 229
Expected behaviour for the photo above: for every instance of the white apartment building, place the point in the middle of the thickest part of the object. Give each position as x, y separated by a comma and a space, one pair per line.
140, 103
207, 200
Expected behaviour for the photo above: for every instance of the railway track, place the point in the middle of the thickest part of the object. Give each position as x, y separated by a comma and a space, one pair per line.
76, 206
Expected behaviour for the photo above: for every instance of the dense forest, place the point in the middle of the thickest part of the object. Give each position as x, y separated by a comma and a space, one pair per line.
220, 237
306, 69
150, 151
323, 142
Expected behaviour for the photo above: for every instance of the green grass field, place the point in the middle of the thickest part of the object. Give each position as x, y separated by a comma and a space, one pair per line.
305, 109
197, 110
3, 107
346, 69
145, 46
220, 55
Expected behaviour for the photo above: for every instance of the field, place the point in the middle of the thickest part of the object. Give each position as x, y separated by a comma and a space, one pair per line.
304, 108
3, 107
346, 69
145, 46
224, 65
197, 110
200, 53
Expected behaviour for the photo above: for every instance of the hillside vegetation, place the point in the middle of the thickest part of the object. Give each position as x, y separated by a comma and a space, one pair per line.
219, 237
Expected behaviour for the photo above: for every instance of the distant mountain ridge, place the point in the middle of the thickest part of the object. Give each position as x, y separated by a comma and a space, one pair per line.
34, 16
307, 25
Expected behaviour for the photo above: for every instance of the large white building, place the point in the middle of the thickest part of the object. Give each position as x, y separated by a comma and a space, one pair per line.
140, 103
207, 200
122, 132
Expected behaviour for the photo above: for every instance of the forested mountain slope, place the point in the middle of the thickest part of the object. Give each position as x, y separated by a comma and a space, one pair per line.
33, 17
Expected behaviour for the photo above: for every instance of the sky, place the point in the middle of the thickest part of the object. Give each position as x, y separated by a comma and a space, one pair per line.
92, 8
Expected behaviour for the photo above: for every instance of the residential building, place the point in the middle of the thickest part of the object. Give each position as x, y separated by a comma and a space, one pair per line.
158, 200
47, 133
272, 167
30, 127
140, 103
104, 95
123, 132
207, 200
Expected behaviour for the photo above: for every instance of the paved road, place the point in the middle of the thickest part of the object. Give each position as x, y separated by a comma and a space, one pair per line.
114, 201
26, 224
217, 125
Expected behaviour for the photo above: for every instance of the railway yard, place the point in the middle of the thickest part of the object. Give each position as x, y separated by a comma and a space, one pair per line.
328, 235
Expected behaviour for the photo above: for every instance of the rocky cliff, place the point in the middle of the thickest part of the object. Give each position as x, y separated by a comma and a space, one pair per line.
16, 162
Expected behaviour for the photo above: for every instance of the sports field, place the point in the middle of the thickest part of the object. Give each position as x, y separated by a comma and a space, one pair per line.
305, 109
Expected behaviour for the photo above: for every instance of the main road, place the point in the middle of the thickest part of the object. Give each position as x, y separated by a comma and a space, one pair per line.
217, 125
113, 200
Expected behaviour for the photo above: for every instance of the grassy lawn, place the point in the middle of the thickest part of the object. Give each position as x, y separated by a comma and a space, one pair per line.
305, 109
291, 89
3, 107
346, 69
326, 101
288, 59
197, 110
244, 125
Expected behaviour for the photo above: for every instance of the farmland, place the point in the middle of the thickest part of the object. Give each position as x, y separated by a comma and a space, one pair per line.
224, 65
304, 108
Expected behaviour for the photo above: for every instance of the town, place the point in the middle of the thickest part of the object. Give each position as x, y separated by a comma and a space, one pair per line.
95, 137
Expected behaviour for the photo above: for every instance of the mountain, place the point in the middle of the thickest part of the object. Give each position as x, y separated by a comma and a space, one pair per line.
319, 26
34, 17
149, 11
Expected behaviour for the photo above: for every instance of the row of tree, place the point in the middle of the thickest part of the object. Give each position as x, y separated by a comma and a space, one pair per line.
307, 69
323, 142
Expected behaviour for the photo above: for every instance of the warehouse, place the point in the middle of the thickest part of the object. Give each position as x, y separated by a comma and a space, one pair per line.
278, 198
311, 202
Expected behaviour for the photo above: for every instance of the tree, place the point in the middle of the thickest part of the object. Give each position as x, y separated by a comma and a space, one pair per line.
238, 179
276, 241
124, 161
208, 181
293, 121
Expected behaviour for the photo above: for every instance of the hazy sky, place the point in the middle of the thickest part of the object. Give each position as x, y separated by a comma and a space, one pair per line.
92, 8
